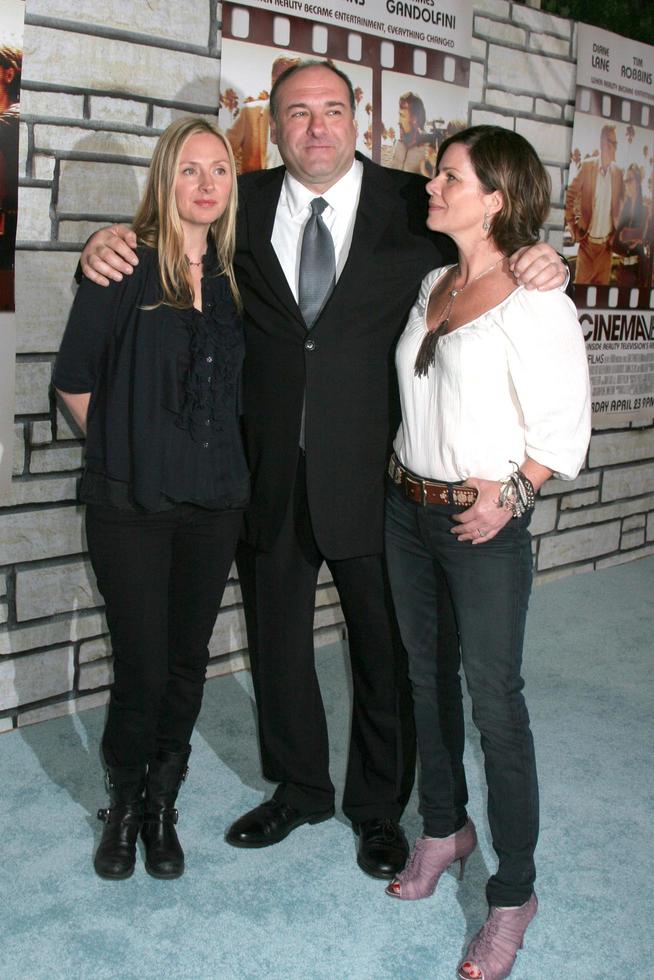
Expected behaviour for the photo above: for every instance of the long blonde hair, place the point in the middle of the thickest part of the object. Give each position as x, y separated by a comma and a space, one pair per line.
157, 222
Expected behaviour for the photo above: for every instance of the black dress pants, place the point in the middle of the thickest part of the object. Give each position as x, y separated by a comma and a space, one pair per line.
162, 577
279, 590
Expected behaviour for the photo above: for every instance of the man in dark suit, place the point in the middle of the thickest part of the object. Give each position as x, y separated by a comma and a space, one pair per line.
325, 502
319, 412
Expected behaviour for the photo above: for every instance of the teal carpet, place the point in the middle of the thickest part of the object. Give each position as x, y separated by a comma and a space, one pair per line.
302, 910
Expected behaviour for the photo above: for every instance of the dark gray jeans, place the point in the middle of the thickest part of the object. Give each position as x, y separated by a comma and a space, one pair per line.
488, 586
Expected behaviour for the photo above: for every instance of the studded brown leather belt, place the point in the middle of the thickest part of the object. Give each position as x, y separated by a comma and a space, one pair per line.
429, 491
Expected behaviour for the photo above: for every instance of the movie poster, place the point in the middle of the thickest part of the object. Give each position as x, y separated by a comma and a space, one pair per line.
609, 237
12, 14
409, 64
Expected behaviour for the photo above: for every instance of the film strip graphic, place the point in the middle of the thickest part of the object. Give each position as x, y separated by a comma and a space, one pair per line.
614, 297
614, 107
345, 44
620, 110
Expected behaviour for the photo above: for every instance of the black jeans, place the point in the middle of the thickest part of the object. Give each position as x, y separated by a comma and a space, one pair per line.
489, 585
162, 577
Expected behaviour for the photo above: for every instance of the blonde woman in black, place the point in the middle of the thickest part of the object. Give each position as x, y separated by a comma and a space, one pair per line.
150, 369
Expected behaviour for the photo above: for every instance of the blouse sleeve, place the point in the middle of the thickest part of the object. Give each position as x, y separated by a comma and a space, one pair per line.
549, 370
86, 336
426, 287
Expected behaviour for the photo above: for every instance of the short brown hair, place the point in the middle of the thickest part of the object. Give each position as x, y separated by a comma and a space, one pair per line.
300, 66
506, 162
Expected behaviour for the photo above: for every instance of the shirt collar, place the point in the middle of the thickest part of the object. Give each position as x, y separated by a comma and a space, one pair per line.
342, 195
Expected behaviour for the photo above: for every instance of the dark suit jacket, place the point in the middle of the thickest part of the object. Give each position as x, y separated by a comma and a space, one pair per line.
345, 362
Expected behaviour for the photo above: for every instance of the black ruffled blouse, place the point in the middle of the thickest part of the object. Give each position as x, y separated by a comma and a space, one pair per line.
163, 423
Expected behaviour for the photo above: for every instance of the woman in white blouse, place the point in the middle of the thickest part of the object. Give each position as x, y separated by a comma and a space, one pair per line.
495, 399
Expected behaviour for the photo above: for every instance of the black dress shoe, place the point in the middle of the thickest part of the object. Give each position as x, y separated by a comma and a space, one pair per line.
269, 823
383, 849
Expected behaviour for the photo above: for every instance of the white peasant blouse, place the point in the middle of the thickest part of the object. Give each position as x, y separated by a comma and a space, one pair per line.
511, 383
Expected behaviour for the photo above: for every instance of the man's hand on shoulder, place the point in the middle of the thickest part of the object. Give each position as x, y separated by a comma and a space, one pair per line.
108, 255
538, 267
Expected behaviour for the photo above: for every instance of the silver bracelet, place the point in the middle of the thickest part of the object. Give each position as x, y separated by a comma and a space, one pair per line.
517, 492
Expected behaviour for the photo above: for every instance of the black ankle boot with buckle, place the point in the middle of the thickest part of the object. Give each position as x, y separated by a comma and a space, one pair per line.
116, 854
164, 857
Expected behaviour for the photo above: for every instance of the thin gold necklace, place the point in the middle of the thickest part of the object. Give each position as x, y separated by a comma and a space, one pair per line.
201, 259
427, 353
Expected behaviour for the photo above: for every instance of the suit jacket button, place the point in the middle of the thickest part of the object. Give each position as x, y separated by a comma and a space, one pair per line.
309, 345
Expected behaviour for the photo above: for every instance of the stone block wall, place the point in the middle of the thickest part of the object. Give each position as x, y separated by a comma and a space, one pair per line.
100, 81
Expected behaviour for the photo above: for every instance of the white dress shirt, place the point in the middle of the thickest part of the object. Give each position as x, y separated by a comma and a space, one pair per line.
601, 223
510, 384
294, 210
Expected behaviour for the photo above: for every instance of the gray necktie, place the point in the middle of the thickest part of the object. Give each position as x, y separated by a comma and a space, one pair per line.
317, 264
